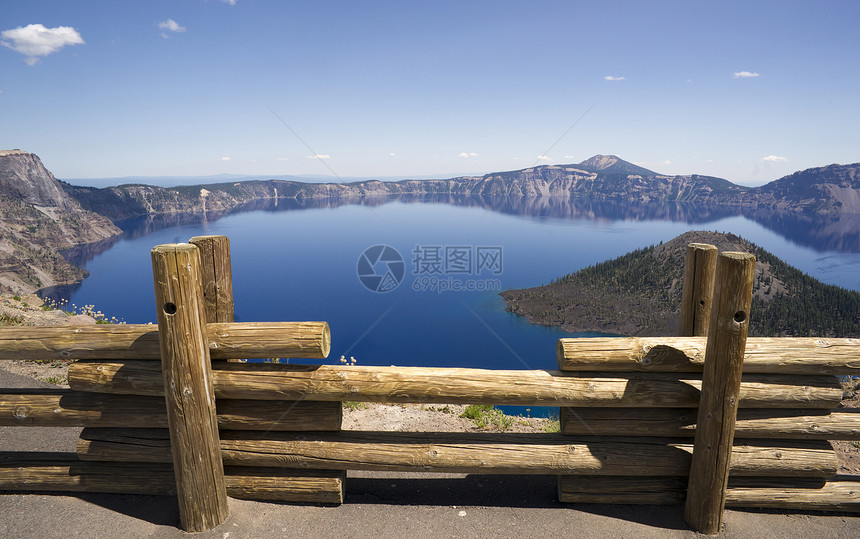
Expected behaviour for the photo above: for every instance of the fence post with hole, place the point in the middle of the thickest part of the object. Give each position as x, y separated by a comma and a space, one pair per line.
189, 392
721, 380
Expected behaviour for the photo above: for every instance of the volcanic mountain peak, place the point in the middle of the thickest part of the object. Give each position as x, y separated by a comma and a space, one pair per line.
612, 164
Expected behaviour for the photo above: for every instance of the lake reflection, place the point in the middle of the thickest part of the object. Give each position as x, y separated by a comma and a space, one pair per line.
298, 260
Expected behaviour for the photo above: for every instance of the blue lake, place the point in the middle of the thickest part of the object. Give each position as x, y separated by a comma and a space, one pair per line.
300, 263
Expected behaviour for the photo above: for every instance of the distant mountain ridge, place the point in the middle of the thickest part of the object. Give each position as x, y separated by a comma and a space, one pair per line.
831, 189
40, 214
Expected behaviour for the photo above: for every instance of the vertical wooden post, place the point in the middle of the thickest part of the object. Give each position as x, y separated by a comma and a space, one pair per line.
189, 393
217, 276
698, 291
718, 405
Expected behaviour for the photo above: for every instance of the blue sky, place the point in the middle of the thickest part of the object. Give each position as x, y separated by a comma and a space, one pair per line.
748, 91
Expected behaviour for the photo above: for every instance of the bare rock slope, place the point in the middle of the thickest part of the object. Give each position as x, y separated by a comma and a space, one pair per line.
37, 220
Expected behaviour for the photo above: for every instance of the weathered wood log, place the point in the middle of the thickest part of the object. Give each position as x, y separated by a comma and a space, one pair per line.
774, 355
285, 484
216, 275
622, 489
67, 408
841, 494
698, 291
837, 494
240, 414
140, 341
460, 386
840, 424
64, 472
721, 387
189, 393
467, 453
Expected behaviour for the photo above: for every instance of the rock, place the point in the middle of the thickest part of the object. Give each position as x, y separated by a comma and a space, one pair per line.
81, 320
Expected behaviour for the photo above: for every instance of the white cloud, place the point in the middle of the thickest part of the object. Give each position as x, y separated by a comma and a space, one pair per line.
225, 158
666, 162
610, 77
170, 26
35, 40
319, 156
774, 159
282, 158
231, 2
392, 154
745, 75
569, 157
465, 155
544, 158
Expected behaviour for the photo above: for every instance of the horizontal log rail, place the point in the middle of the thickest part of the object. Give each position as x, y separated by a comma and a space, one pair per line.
68, 408
466, 453
65, 472
310, 340
774, 423
841, 493
779, 355
460, 386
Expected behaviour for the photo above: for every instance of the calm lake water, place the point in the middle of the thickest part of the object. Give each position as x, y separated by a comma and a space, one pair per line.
295, 262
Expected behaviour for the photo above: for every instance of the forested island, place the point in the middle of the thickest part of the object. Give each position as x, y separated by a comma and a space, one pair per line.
639, 294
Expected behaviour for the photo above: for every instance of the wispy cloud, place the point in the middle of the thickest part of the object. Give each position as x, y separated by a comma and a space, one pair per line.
612, 78
745, 75
318, 156
392, 154
170, 26
225, 158
774, 159
466, 155
35, 40
231, 2
569, 157
282, 158
544, 158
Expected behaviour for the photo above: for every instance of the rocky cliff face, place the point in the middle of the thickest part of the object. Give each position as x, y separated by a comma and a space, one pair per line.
830, 189
37, 219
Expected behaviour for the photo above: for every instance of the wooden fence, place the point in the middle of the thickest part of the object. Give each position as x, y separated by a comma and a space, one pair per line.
200, 425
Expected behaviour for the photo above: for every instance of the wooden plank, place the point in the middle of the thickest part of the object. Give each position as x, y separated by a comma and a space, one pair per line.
64, 472
837, 494
698, 291
189, 393
310, 340
775, 355
721, 386
787, 424
468, 453
68, 408
460, 386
